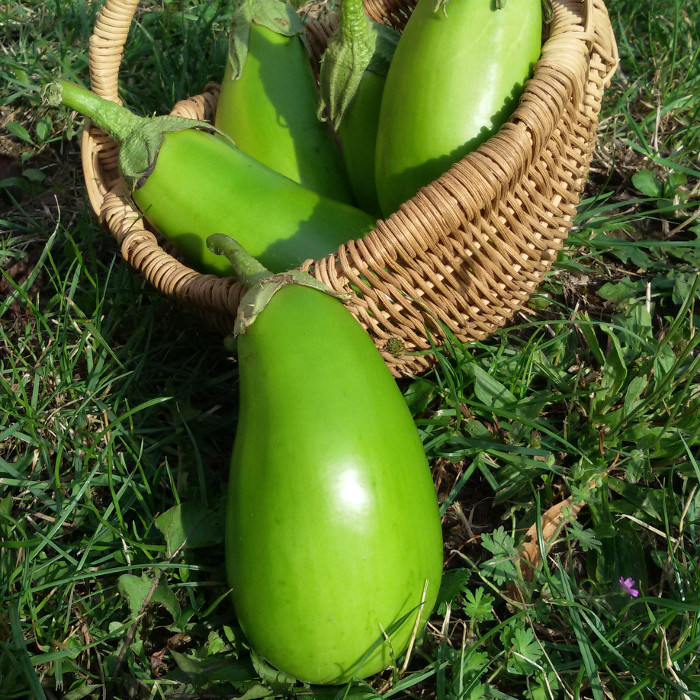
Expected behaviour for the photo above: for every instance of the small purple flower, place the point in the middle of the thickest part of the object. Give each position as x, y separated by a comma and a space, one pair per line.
627, 585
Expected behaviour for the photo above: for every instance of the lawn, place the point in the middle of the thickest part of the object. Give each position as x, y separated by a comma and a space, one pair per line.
573, 431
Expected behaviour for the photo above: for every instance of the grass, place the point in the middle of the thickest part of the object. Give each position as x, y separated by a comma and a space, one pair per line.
578, 422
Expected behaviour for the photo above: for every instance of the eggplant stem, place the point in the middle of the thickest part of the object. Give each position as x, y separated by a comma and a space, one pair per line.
116, 121
248, 270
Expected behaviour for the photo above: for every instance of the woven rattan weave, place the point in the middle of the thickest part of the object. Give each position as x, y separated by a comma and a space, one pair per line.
466, 252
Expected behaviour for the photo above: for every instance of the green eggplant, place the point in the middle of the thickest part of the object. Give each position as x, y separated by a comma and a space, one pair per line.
353, 71
268, 98
333, 535
456, 76
190, 183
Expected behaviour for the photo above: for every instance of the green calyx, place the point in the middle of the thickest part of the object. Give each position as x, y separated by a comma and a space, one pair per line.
139, 138
275, 15
261, 284
547, 10
139, 151
358, 45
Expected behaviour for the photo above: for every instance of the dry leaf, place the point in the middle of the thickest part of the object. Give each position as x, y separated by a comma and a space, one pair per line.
551, 524
158, 665
553, 519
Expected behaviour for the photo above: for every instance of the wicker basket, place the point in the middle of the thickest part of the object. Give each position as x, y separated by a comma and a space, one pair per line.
466, 252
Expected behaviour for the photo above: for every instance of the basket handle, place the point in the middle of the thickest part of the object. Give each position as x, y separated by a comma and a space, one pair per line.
106, 47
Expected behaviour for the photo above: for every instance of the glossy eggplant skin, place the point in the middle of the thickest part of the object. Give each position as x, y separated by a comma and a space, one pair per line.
202, 185
455, 78
333, 532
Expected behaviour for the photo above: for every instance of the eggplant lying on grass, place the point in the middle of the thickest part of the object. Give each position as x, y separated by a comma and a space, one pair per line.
333, 535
